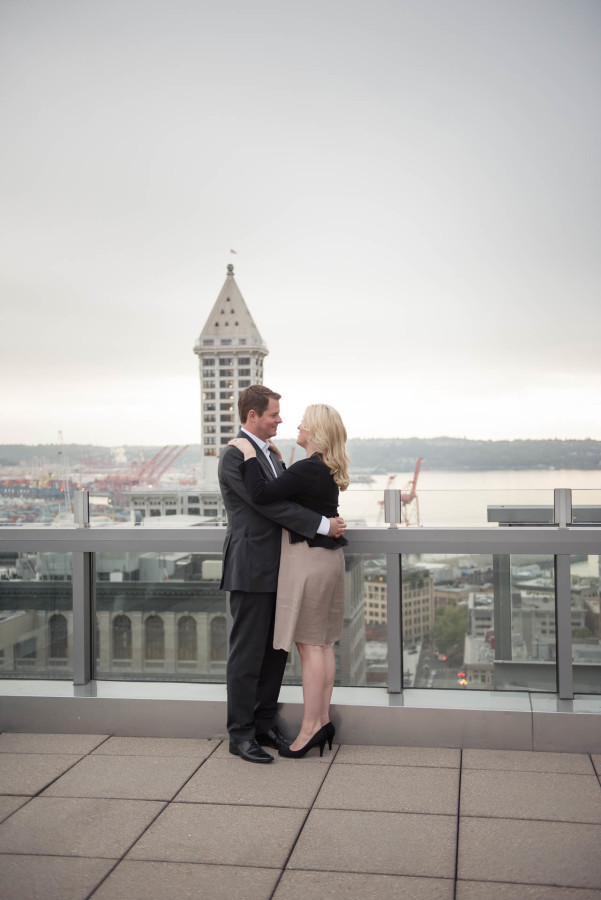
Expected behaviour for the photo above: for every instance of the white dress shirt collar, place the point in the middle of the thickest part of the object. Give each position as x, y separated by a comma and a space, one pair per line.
264, 445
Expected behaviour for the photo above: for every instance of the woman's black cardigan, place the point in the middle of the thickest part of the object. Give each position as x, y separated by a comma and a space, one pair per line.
308, 482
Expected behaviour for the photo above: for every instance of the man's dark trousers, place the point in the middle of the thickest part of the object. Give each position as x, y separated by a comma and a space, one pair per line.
254, 669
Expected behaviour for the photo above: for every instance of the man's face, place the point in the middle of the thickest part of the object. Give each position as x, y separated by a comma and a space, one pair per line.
265, 426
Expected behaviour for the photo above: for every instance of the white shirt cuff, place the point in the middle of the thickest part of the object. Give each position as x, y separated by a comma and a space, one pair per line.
324, 527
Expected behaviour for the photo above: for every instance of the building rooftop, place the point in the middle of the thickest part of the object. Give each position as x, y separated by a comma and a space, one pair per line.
123, 817
229, 318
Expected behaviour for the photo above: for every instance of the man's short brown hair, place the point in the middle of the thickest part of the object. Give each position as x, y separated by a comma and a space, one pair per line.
256, 397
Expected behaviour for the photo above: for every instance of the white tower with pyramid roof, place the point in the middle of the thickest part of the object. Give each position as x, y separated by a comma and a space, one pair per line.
230, 353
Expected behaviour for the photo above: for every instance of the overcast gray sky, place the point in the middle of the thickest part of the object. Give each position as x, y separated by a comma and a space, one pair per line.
413, 190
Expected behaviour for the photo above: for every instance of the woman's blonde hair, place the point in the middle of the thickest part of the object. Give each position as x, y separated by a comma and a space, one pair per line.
328, 435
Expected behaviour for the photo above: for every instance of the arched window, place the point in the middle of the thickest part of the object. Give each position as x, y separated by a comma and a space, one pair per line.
154, 633
121, 637
57, 627
218, 639
186, 639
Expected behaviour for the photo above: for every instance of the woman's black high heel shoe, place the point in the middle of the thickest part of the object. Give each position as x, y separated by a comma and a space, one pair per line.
318, 740
330, 732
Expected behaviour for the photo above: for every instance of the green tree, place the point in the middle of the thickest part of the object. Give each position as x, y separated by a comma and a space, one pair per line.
581, 633
450, 628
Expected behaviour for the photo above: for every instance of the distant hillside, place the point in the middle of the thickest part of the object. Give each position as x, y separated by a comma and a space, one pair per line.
378, 455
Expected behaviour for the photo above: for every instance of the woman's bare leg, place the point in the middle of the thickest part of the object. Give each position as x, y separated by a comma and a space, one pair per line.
316, 673
329, 676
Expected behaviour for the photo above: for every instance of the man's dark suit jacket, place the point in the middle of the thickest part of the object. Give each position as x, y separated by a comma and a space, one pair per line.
251, 552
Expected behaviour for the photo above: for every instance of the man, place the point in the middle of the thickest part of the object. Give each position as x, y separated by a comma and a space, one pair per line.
251, 557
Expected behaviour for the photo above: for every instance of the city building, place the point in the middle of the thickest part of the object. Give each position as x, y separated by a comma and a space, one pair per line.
230, 354
417, 607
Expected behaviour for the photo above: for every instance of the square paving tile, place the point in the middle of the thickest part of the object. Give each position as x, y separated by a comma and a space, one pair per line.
125, 777
359, 754
76, 827
8, 805
29, 773
132, 746
528, 761
377, 842
491, 890
236, 781
300, 885
230, 835
512, 850
78, 744
391, 788
144, 880
50, 877
531, 795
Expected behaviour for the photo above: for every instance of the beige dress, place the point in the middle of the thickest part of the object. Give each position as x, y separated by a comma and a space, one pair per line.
310, 597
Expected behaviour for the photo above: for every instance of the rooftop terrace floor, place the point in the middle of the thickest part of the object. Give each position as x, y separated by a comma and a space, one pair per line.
125, 817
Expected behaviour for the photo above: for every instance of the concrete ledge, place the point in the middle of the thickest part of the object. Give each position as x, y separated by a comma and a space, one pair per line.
477, 720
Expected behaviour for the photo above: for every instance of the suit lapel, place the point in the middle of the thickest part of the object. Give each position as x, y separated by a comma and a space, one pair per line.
262, 459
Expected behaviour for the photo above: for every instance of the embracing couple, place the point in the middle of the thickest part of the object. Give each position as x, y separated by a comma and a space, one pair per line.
283, 566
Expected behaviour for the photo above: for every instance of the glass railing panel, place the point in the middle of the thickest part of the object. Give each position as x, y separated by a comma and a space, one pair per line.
156, 506
363, 505
478, 622
36, 615
160, 617
174, 505
586, 634
27, 508
586, 507
470, 508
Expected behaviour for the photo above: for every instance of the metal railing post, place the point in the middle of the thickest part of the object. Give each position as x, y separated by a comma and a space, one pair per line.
393, 605
392, 508
562, 502
82, 597
501, 564
562, 507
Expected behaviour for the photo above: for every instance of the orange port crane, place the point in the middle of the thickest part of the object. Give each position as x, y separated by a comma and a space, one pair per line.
409, 497
168, 461
409, 501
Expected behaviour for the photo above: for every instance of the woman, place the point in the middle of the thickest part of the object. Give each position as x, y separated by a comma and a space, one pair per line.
310, 597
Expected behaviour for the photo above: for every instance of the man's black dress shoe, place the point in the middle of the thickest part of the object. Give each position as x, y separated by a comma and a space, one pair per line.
250, 751
273, 738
